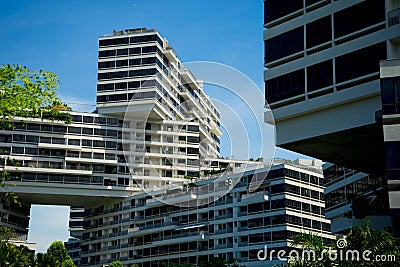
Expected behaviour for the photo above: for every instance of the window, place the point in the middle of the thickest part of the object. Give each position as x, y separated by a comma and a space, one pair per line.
105, 87
111, 98
106, 65
142, 72
31, 151
46, 128
60, 141
74, 142
284, 45
18, 138
100, 132
97, 143
122, 63
135, 50
319, 75
114, 41
87, 131
191, 150
107, 53
33, 127
274, 9
359, 16
390, 88
359, 63
143, 38
17, 150
88, 119
285, 86
86, 142
393, 155
120, 86
319, 31
193, 128
111, 145
44, 139
87, 155
75, 130
112, 75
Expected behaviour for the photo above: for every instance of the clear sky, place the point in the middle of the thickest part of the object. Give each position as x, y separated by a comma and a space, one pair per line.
62, 37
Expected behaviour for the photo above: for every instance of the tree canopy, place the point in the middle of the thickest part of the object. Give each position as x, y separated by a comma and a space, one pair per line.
29, 93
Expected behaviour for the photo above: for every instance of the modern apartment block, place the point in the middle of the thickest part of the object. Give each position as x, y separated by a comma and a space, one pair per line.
170, 124
144, 230
324, 81
352, 196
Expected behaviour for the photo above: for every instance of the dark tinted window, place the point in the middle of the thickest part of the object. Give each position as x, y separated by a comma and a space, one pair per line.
285, 86
284, 45
319, 31
360, 62
359, 16
319, 75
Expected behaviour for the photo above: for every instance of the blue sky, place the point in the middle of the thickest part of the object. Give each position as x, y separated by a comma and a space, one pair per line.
62, 37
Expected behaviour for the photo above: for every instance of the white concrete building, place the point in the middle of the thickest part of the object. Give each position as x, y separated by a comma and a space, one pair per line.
144, 230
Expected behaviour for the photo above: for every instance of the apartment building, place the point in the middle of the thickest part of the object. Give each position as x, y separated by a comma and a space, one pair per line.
199, 222
324, 81
352, 196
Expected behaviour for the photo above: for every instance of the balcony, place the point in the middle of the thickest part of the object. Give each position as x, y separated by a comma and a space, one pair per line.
393, 17
255, 197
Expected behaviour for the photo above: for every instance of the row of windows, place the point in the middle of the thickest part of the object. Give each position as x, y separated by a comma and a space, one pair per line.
125, 74
8, 138
97, 120
127, 85
58, 178
360, 62
346, 21
359, 16
285, 86
274, 9
131, 40
130, 51
130, 96
284, 45
349, 66
126, 62
336, 171
348, 193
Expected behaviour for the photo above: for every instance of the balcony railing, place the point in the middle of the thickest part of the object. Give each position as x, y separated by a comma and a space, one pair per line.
393, 17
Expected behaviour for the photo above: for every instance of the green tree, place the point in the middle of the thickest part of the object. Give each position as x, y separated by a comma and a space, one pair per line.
28, 93
57, 254
116, 264
7, 233
359, 238
43, 260
7, 254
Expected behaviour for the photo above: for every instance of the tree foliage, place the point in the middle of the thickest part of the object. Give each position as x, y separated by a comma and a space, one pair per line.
28, 93
116, 264
359, 238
